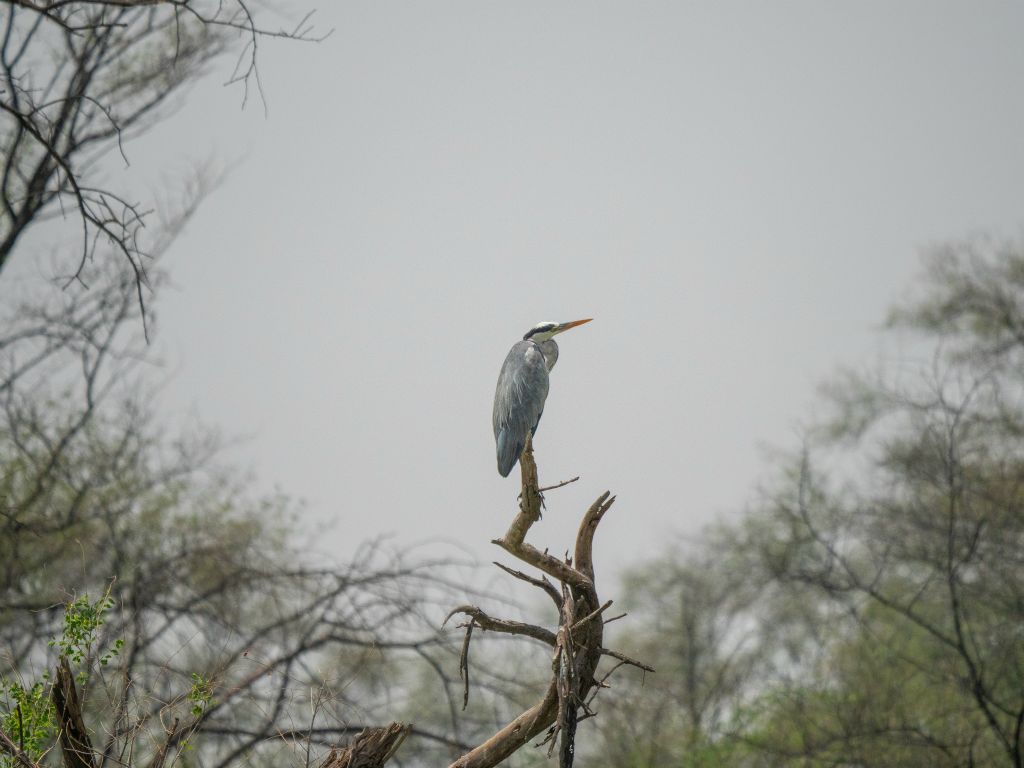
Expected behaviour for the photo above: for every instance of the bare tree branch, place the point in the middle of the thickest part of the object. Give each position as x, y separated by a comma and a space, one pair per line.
577, 643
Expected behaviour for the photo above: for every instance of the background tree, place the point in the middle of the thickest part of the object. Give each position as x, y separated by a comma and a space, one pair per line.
224, 626
691, 618
223, 622
869, 609
77, 81
922, 552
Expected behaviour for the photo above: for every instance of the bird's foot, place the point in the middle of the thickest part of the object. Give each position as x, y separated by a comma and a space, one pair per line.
523, 505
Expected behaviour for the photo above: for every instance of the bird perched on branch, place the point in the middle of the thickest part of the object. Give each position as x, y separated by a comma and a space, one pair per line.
523, 388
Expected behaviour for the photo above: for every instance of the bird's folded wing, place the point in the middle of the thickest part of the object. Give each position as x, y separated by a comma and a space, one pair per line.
518, 401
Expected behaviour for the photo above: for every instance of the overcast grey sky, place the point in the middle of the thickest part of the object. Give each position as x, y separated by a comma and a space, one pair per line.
734, 191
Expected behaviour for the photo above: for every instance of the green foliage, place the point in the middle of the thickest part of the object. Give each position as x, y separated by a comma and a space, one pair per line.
200, 695
82, 621
28, 719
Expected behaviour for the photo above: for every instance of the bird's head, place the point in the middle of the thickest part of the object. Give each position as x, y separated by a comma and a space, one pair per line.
547, 330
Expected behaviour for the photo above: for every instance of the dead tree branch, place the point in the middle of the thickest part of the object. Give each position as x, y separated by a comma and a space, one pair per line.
372, 748
577, 643
480, 619
75, 743
15, 752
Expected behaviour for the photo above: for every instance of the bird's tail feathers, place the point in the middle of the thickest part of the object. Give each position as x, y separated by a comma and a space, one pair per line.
508, 452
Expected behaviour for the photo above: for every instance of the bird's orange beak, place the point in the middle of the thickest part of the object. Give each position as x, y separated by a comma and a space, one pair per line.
573, 324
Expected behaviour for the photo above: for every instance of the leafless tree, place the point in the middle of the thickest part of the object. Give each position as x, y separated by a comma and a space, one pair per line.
78, 78
577, 643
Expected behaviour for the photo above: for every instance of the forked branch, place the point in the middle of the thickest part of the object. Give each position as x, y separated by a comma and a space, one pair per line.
577, 643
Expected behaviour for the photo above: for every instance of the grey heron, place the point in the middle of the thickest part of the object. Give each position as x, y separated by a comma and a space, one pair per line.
523, 388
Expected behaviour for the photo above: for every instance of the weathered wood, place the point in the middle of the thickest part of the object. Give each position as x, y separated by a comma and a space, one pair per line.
371, 748
75, 745
516, 734
530, 499
578, 642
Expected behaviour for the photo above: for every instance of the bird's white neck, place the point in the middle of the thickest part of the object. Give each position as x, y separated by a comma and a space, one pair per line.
549, 349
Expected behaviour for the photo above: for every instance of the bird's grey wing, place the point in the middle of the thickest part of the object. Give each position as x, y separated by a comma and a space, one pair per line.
518, 402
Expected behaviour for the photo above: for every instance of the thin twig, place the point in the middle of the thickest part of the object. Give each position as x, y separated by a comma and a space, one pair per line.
542, 583
464, 664
591, 615
626, 659
558, 485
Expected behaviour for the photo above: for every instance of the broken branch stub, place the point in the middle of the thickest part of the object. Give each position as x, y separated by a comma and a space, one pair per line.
372, 748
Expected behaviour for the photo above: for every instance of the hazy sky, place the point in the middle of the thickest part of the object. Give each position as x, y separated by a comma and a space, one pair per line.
734, 191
